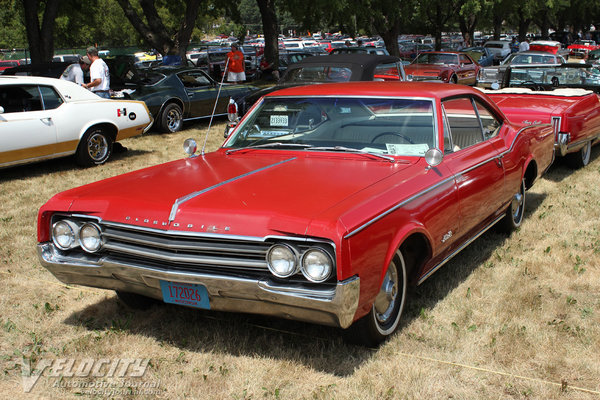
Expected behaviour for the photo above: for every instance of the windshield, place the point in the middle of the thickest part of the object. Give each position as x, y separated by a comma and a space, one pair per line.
547, 77
319, 73
385, 126
517, 58
436, 58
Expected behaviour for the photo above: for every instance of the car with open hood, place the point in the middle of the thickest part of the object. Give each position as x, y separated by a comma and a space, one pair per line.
43, 118
326, 204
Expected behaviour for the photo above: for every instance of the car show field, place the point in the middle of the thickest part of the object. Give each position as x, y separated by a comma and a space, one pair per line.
509, 317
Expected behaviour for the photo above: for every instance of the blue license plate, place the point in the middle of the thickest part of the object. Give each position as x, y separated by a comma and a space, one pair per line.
185, 294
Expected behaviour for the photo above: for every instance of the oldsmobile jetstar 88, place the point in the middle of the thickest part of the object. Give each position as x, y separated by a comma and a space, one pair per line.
324, 204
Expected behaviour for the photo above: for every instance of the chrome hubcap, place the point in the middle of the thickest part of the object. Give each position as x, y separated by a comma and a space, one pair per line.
388, 295
173, 119
97, 146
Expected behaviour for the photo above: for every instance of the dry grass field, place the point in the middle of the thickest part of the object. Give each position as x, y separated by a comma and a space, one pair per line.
510, 318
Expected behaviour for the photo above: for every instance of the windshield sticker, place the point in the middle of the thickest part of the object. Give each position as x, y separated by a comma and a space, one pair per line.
269, 134
280, 108
345, 110
407, 149
279, 120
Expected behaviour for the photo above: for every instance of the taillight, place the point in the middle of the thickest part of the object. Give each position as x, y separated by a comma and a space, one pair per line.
232, 110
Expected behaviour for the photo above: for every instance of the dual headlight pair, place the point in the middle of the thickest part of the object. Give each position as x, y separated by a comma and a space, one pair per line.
315, 263
68, 234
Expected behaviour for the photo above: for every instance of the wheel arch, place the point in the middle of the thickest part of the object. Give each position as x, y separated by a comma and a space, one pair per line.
175, 100
530, 173
111, 129
415, 245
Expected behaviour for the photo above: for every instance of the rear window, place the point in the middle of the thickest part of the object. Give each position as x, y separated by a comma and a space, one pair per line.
319, 73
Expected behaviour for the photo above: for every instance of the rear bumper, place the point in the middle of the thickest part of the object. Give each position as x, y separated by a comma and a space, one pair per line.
333, 306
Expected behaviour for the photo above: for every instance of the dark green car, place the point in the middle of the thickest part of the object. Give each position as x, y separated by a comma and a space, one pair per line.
174, 94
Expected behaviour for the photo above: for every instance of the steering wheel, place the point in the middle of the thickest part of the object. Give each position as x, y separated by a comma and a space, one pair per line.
403, 137
534, 85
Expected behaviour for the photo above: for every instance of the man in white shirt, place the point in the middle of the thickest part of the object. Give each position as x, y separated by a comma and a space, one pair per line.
74, 72
524, 45
99, 75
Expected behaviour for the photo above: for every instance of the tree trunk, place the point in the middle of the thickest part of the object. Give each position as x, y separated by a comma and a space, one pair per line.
271, 31
154, 32
40, 39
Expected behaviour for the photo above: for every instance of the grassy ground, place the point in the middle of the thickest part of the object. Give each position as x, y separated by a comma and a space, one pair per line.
510, 317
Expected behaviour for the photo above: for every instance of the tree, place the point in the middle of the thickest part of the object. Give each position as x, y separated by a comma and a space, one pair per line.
437, 14
40, 37
270, 30
153, 29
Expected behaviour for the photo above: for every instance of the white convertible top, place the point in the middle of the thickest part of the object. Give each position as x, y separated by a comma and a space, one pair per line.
562, 92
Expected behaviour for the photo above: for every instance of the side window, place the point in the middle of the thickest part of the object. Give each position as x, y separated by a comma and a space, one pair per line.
464, 59
489, 123
51, 99
193, 80
387, 72
463, 123
20, 98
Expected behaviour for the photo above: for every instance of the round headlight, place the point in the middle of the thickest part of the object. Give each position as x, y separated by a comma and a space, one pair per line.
64, 234
316, 265
282, 261
90, 237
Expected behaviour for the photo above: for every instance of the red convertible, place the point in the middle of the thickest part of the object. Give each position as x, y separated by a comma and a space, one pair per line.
324, 205
446, 66
565, 96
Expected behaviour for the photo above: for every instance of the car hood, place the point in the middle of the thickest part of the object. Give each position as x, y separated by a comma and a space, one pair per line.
425, 69
249, 193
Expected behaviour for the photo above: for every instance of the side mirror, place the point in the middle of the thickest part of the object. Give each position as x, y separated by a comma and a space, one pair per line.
190, 147
1, 110
434, 157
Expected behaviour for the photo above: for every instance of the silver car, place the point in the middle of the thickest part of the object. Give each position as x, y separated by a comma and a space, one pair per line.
489, 75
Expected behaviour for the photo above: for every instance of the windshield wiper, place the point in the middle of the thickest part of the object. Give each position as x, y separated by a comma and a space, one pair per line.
272, 144
353, 151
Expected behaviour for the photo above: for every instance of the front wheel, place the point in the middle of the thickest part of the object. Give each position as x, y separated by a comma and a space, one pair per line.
94, 148
383, 319
171, 119
515, 211
580, 158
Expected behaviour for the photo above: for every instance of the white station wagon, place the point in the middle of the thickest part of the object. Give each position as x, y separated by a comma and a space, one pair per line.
42, 118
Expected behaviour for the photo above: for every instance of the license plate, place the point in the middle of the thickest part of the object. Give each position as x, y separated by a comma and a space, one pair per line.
185, 294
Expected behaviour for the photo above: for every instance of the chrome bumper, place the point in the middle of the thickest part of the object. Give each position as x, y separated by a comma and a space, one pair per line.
332, 306
562, 143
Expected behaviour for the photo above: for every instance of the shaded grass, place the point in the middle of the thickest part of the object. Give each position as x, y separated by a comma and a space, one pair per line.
526, 305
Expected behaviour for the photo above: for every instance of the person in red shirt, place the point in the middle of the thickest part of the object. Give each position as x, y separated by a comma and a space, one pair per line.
236, 65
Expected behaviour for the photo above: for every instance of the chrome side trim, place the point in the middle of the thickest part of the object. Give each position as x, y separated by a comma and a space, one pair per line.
458, 250
425, 191
190, 196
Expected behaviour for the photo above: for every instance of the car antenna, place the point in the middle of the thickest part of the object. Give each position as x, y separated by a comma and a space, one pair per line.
215, 107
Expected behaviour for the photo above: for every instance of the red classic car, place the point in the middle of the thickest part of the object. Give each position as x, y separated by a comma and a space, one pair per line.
565, 96
324, 205
450, 67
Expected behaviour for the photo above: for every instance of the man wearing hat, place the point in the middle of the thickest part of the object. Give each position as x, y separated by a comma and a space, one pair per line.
99, 75
74, 72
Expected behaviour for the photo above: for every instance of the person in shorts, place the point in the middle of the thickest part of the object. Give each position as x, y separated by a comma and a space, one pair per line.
235, 66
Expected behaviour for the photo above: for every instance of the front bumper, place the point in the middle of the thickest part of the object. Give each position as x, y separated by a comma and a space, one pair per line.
330, 306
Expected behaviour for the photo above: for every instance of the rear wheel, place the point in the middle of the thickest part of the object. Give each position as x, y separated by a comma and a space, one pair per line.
383, 319
94, 148
171, 119
580, 158
515, 211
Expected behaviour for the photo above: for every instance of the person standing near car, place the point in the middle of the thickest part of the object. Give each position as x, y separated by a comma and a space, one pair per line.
236, 65
74, 72
99, 75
